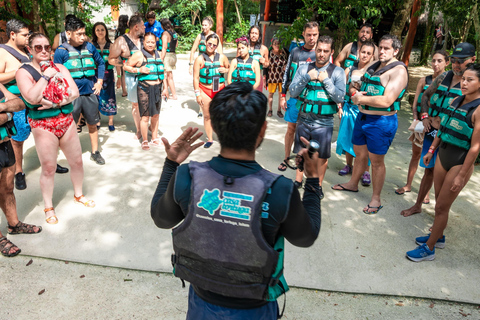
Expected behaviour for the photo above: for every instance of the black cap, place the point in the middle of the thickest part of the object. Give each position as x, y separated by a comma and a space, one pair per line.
463, 50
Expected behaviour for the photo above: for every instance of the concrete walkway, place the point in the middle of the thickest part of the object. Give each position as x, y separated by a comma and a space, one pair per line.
354, 253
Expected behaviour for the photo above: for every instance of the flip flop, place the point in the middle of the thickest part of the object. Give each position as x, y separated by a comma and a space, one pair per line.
371, 207
283, 166
426, 201
270, 113
401, 193
342, 188
279, 114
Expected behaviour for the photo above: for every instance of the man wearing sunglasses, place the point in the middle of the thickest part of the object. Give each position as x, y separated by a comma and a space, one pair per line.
13, 54
443, 90
81, 58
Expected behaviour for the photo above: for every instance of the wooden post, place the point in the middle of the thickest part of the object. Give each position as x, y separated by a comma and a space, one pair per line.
219, 29
266, 17
411, 32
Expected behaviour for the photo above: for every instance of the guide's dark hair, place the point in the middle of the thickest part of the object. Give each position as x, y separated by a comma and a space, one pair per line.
134, 20
311, 24
368, 44
167, 24
94, 35
366, 24
443, 53
74, 24
212, 36
122, 24
150, 15
36, 35
259, 33
396, 44
475, 67
326, 39
237, 114
15, 26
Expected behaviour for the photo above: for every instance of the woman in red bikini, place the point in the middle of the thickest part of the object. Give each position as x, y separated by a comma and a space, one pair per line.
52, 124
208, 80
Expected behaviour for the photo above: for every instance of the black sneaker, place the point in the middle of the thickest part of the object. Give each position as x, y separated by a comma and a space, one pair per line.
320, 193
20, 182
97, 157
61, 169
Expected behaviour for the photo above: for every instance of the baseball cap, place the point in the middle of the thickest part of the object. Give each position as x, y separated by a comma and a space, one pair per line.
463, 50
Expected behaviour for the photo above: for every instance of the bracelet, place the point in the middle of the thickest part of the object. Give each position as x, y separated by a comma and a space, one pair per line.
119, 75
138, 70
284, 95
45, 77
197, 93
432, 151
424, 116
190, 63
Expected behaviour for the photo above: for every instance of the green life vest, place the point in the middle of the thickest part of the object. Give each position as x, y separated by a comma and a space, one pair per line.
348, 98
244, 71
8, 128
373, 86
444, 95
256, 54
79, 64
314, 98
104, 53
456, 127
32, 110
202, 46
160, 43
155, 64
210, 69
12, 85
352, 56
428, 82
172, 45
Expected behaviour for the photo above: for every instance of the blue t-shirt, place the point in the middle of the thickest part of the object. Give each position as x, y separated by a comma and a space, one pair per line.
84, 84
156, 29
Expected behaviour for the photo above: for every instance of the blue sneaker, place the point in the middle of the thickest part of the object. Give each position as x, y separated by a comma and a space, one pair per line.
440, 242
421, 253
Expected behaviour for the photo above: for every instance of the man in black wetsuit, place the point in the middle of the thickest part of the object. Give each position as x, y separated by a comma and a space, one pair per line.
230, 246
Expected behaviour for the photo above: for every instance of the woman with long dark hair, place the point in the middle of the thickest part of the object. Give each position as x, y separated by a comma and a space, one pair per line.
201, 40
107, 103
121, 30
170, 57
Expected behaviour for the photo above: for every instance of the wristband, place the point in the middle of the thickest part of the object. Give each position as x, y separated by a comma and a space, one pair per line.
138, 70
9, 116
119, 75
284, 95
197, 93
425, 116
45, 77
190, 63
432, 151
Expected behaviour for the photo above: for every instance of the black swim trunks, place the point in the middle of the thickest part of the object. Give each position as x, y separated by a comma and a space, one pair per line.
7, 157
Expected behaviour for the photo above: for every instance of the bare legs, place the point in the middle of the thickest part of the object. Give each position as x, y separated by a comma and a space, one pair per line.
423, 191
18, 151
136, 118
206, 116
170, 84
8, 203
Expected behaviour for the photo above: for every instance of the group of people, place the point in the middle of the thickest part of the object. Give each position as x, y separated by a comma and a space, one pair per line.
363, 86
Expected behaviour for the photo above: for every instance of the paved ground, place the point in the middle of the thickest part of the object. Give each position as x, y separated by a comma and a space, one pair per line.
355, 253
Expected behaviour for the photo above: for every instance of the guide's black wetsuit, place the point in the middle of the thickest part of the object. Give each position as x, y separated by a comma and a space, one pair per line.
298, 221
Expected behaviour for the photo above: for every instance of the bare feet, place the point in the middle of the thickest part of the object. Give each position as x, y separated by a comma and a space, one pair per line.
403, 190
174, 98
413, 210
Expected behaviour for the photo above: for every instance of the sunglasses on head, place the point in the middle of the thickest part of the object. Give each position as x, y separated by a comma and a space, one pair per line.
460, 61
39, 48
212, 45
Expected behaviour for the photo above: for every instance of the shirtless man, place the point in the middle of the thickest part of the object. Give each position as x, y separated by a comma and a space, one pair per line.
125, 46
385, 82
12, 55
351, 51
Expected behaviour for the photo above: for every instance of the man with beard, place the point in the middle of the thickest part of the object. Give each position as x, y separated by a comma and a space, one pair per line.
318, 86
349, 54
378, 101
298, 57
438, 96
258, 51
125, 46
13, 54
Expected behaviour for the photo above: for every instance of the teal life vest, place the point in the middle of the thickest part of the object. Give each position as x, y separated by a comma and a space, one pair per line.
155, 64
348, 98
131, 46
8, 128
244, 71
444, 95
202, 46
220, 245
352, 56
79, 64
373, 86
104, 53
210, 69
32, 110
12, 85
456, 126
428, 82
314, 98
160, 43
256, 54
172, 45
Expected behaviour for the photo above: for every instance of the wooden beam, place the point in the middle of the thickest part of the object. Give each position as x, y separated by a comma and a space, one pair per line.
219, 29
411, 32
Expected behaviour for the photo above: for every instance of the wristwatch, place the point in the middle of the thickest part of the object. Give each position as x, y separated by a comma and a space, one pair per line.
9, 116
45, 77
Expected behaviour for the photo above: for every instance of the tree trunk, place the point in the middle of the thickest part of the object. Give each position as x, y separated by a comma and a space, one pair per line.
239, 16
411, 32
36, 16
401, 17
447, 31
476, 23
219, 30
468, 24
430, 38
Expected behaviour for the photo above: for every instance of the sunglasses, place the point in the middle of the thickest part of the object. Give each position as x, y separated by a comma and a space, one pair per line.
212, 45
459, 61
39, 48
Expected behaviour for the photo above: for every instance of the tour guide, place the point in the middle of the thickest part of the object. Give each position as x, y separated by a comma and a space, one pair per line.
230, 246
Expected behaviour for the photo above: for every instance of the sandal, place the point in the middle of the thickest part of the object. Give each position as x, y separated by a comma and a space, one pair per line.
366, 211
82, 200
156, 142
23, 228
283, 166
145, 145
279, 114
270, 113
5, 247
79, 129
52, 219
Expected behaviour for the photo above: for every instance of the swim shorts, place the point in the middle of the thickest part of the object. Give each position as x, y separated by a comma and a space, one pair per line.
7, 157
291, 115
22, 126
272, 87
170, 61
315, 131
377, 132
88, 106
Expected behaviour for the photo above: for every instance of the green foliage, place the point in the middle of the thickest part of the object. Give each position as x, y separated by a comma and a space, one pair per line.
236, 31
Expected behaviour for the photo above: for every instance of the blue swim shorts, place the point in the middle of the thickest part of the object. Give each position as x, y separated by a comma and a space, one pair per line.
377, 132
291, 115
21, 123
427, 142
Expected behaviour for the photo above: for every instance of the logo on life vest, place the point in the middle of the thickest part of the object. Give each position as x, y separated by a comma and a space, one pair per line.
322, 95
308, 60
455, 124
229, 205
373, 91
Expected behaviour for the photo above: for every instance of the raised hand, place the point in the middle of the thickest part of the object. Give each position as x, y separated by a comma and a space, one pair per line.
183, 146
